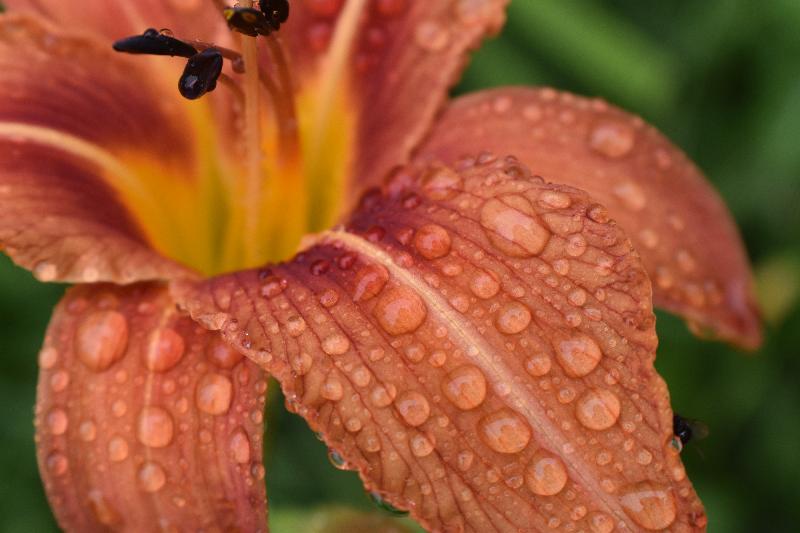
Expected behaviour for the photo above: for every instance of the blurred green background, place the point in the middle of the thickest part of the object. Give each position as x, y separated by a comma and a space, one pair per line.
722, 79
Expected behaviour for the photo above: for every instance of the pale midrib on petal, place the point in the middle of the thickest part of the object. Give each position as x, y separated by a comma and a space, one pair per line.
70, 144
484, 356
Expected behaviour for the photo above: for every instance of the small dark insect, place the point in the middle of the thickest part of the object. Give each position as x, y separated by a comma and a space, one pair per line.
154, 42
201, 74
276, 11
248, 21
685, 429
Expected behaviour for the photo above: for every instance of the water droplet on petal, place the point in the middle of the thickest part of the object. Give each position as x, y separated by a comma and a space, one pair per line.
368, 441
213, 394
431, 35
57, 421
222, 354
152, 477
155, 427
400, 310
546, 474
332, 389
45, 271
420, 445
538, 365
598, 409
301, 363
513, 318
336, 344
555, 199
369, 282
101, 339
465, 387
102, 510
631, 195
579, 355
239, 446
59, 381
413, 407
601, 522
48, 358
57, 463
651, 506
432, 241
164, 350
612, 139
484, 285
87, 431
117, 449
511, 227
295, 326
441, 182
505, 431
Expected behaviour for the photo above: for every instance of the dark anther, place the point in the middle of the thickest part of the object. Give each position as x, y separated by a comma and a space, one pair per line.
153, 42
201, 74
247, 20
276, 11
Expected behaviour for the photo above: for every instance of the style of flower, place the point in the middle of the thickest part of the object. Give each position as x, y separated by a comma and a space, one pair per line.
475, 340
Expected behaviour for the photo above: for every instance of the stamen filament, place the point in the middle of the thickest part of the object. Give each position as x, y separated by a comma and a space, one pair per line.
252, 141
287, 108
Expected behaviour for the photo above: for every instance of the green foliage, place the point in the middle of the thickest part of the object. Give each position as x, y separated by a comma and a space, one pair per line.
722, 78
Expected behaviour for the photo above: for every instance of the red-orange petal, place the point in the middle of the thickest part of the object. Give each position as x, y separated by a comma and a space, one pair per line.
677, 222
402, 58
196, 19
85, 144
144, 420
479, 345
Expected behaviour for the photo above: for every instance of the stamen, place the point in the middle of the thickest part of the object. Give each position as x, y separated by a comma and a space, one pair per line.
252, 141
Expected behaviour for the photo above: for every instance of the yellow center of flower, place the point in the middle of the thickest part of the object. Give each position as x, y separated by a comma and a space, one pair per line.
249, 202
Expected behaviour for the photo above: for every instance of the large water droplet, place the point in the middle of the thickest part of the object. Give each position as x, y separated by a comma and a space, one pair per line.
48, 358
164, 350
336, 344
101, 339
650, 505
213, 394
513, 318
59, 381
465, 387
432, 241
578, 355
421, 446
152, 477
239, 446
612, 139
505, 431
631, 195
511, 227
538, 365
598, 409
87, 431
413, 407
222, 354
369, 282
400, 310
155, 427
295, 326
57, 463
546, 474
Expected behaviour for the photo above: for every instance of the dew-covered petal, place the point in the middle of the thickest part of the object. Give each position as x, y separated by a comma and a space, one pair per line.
498, 373
100, 170
677, 222
196, 19
372, 74
144, 420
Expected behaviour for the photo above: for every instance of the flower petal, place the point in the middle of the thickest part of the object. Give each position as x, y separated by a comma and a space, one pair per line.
101, 170
146, 421
677, 222
113, 20
479, 345
389, 64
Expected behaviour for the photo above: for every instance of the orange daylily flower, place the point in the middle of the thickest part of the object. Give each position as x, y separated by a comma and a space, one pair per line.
475, 340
